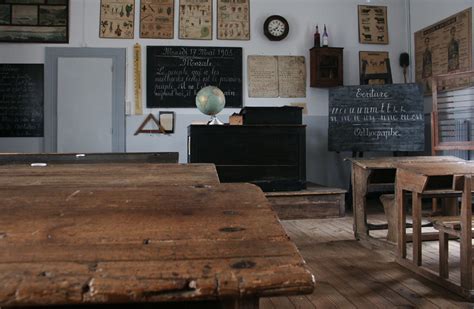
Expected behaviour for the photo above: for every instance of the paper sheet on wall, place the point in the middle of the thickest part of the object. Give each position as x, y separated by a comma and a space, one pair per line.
292, 76
263, 76
276, 76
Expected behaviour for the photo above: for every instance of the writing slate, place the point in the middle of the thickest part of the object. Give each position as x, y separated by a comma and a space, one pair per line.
376, 118
176, 73
21, 100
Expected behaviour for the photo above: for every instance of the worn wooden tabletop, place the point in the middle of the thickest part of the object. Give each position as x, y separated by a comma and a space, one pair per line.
91, 244
393, 162
130, 174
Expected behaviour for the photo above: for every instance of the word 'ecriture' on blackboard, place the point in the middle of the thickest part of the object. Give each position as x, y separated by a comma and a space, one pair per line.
21, 100
176, 73
376, 118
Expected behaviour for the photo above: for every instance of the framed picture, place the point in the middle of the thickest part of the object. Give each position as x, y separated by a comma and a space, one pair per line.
374, 68
373, 25
34, 21
117, 19
157, 19
167, 121
233, 20
195, 19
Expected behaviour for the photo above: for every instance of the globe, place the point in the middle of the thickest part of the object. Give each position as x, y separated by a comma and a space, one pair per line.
210, 100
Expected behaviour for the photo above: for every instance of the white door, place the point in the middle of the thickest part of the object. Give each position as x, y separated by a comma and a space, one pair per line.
84, 105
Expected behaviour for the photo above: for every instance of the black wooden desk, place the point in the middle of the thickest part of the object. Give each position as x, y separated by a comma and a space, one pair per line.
270, 156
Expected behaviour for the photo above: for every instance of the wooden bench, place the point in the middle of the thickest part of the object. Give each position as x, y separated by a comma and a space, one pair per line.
316, 202
447, 226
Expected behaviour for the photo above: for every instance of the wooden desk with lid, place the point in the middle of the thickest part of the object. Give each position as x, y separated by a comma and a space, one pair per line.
440, 180
143, 234
379, 172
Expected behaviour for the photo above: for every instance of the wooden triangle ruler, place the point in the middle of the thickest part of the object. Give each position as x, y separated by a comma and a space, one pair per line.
150, 118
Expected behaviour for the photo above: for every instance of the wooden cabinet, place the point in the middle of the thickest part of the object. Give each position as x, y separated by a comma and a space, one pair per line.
326, 66
270, 156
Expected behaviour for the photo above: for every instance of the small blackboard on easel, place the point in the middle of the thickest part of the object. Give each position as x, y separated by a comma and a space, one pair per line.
21, 100
376, 118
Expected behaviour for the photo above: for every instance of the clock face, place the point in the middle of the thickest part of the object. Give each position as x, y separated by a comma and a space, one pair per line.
276, 28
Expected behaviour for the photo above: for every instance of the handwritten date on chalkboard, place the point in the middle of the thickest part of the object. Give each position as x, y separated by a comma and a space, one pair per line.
21, 100
376, 118
176, 73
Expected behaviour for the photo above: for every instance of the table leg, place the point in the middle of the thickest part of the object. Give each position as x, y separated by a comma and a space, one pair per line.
402, 218
416, 214
241, 303
360, 178
466, 238
443, 255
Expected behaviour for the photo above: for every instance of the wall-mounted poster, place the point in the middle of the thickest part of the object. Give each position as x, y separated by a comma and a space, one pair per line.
157, 19
34, 21
373, 25
444, 47
233, 20
374, 68
117, 19
195, 19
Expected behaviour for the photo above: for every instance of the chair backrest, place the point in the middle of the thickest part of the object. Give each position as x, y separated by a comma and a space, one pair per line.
453, 113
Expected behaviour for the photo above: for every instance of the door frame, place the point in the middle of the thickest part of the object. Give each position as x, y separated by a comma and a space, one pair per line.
118, 56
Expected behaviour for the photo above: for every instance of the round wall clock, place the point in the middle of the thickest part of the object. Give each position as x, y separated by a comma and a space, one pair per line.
276, 28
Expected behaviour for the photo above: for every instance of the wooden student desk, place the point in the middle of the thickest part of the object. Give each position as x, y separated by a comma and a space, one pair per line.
441, 180
113, 174
152, 234
370, 172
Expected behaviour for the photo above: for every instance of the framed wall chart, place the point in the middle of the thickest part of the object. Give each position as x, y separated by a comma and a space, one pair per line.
195, 19
34, 21
233, 20
117, 19
157, 19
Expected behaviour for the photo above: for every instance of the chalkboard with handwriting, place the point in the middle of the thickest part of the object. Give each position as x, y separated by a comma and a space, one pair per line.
176, 73
21, 100
376, 118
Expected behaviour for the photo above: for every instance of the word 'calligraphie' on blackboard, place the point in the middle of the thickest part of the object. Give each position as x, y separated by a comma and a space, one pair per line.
21, 100
376, 118
176, 73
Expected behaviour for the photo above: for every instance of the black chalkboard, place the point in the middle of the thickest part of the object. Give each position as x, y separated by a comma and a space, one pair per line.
376, 118
176, 73
21, 100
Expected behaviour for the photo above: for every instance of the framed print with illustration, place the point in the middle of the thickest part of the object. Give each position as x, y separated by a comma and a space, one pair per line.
34, 21
233, 20
373, 25
157, 19
195, 19
117, 19
374, 68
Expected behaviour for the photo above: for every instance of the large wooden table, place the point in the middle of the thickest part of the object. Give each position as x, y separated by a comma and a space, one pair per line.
440, 180
379, 172
146, 234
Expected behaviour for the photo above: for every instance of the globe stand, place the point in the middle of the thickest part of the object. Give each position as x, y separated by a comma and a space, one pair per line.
214, 121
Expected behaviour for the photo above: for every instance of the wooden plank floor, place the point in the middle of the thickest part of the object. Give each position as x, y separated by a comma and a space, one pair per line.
349, 275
